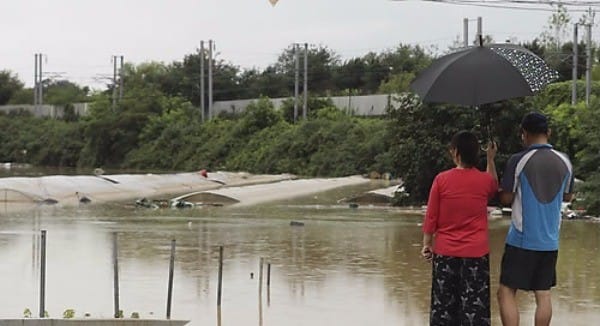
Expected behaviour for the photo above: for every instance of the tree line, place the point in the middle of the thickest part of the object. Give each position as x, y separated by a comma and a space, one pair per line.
157, 124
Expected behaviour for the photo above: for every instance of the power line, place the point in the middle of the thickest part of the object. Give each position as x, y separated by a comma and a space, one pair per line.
390, 50
333, 71
567, 3
532, 5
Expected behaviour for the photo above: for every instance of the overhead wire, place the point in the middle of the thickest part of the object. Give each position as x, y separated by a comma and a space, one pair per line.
384, 72
530, 5
501, 4
334, 72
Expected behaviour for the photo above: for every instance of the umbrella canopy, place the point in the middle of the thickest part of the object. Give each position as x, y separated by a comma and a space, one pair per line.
483, 74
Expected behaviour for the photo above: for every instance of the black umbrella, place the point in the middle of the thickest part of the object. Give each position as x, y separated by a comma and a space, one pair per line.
483, 74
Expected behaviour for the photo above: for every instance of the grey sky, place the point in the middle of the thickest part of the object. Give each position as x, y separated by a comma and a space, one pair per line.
79, 36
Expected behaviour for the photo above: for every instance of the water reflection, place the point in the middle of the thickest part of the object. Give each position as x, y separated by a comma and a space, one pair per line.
260, 308
343, 267
219, 316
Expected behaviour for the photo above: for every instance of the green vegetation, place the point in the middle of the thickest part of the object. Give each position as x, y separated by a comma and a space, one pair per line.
69, 314
10, 85
420, 134
157, 125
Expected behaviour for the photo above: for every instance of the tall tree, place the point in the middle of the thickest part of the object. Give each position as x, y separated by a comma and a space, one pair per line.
553, 38
63, 92
350, 74
555, 32
321, 65
9, 86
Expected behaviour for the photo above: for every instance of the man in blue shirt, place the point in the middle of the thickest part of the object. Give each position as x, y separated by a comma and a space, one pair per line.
536, 182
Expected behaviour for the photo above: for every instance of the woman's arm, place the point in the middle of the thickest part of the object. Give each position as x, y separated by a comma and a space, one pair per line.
491, 150
427, 251
430, 221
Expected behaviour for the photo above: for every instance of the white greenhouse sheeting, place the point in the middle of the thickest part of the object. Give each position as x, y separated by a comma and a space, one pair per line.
119, 187
263, 193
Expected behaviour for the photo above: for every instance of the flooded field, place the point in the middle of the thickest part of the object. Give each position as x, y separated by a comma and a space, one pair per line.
343, 267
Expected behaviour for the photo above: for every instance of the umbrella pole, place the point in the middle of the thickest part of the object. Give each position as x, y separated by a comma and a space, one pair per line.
489, 127
485, 118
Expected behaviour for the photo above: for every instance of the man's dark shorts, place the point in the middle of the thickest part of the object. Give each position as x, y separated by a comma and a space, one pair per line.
528, 270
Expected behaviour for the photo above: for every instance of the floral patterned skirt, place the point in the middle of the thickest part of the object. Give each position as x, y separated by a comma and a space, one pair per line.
460, 291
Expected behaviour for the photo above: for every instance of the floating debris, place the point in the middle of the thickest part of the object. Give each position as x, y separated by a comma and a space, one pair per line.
382, 196
181, 204
146, 203
173, 203
83, 199
296, 223
49, 201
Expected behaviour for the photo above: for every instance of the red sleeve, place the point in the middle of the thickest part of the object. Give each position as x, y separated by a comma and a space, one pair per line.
433, 209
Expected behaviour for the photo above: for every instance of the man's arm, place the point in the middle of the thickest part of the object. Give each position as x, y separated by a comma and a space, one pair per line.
568, 194
506, 198
507, 186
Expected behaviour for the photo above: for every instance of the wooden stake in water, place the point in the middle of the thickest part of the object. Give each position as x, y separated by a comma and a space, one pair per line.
116, 274
268, 284
170, 286
220, 286
260, 281
260, 274
268, 275
43, 276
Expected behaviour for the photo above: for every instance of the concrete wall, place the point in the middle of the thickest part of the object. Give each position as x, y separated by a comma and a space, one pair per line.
368, 105
238, 106
91, 322
371, 105
46, 111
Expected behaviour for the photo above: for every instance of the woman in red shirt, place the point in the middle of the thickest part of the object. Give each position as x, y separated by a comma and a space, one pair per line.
457, 218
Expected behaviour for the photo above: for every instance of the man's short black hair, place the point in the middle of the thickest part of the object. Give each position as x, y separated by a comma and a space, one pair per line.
535, 123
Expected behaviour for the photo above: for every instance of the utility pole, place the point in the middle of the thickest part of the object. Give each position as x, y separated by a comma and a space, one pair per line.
478, 35
588, 72
575, 64
211, 44
202, 79
40, 96
305, 88
114, 93
35, 82
466, 32
297, 80
121, 80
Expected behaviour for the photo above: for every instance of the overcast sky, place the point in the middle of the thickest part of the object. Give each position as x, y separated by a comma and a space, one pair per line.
79, 36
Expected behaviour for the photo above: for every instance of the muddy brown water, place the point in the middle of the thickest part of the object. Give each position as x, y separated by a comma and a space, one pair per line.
345, 266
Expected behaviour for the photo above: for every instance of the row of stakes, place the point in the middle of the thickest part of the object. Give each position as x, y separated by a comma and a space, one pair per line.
117, 313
